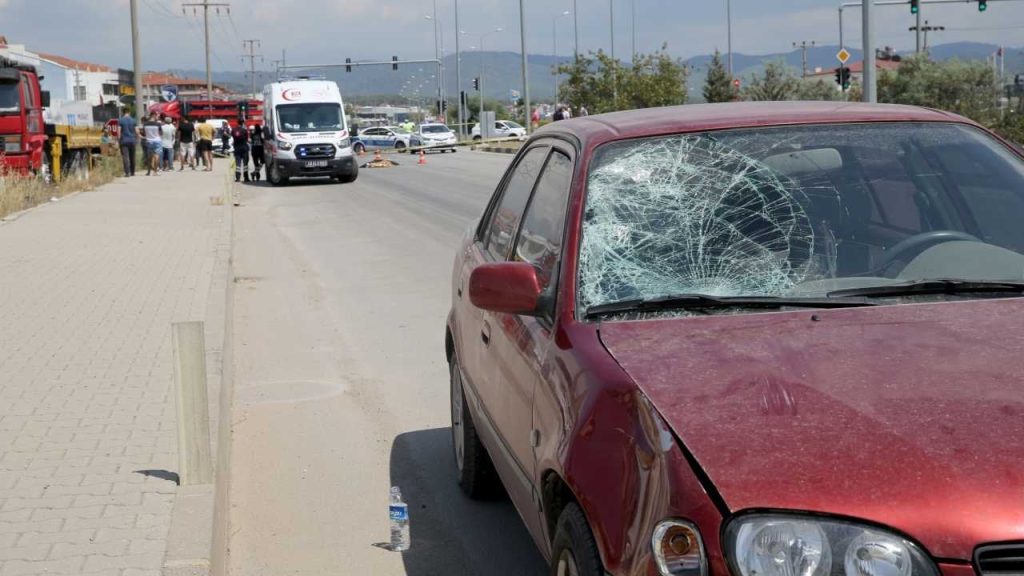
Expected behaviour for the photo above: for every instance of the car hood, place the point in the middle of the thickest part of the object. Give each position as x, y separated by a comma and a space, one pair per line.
911, 415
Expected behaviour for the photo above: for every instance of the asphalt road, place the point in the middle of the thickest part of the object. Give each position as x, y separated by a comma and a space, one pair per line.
342, 386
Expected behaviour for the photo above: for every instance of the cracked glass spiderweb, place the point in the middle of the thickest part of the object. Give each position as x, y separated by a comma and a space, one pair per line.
691, 214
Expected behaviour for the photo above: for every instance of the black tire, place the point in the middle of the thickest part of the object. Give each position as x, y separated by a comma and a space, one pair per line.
476, 138
473, 465
574, 550
274, 175
454, 150
399, 145
350, 177
358, 148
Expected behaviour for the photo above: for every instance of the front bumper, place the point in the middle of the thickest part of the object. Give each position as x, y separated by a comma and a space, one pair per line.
289, 168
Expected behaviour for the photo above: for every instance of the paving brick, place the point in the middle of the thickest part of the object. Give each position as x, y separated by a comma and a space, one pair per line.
90, 288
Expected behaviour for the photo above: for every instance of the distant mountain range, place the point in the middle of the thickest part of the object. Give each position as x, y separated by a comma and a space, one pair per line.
501, 70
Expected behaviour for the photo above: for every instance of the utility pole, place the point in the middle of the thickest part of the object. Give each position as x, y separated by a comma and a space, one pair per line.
917, 31
252, 56
803, 45
206, 5
870, 89
136, 61
615, 76
575, 31
926, 29
728, 26
526, 72
458, 75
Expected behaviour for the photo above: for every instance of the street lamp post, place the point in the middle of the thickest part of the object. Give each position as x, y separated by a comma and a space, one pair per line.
526, 76
575, 31
437, 56
458, 73
554, 48
615, 76
728, 26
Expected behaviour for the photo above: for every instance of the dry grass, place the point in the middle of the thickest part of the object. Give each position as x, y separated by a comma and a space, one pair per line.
19, 192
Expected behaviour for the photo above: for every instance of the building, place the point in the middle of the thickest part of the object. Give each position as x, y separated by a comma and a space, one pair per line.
856, 70
76, 81
188, 88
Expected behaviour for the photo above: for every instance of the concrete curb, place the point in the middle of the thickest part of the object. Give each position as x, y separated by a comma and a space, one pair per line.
199, 516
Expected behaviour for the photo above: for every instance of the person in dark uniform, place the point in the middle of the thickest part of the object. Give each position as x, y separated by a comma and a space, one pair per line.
256, 143
240, 141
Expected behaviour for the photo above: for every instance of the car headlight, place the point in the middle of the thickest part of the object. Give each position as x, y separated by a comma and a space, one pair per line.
678, 549
780, 545
284, 145
344, 143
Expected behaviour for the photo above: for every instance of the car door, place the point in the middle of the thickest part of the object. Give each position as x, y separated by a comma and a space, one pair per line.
500, 129
370, 136
521, 346
388, 138
493, 242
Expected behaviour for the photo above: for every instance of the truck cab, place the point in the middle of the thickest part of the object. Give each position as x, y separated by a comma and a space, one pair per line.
306, 132
22, 130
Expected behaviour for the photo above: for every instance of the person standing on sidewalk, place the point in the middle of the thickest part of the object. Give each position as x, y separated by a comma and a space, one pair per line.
167, 134
186, 136
240, 142
256, 145
154, 144
205, 132
127, 141
225, 133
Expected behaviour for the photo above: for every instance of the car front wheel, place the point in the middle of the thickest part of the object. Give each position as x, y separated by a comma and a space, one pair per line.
476, 474
399, 145
574, 551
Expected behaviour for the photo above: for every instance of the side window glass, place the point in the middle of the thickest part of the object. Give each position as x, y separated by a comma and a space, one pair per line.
27, 96
540, 237
509, 211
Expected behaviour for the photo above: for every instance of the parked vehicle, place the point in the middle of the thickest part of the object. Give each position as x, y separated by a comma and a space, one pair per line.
433, 137
306, 132
502, 129
750, 339
385, 137
35, 138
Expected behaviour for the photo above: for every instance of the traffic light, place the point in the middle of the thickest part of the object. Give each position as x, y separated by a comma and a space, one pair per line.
476, 83
982, 5
394, 62
839, 75
915, 6
243, 111
846, 78
348, 64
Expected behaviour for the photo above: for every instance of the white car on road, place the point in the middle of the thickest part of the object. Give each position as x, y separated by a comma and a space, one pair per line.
502, 129
434, 137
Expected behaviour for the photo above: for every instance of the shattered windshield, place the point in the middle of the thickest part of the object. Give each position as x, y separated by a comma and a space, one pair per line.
799, 210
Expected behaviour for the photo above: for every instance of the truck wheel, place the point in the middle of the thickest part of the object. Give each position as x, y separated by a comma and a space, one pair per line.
274, 175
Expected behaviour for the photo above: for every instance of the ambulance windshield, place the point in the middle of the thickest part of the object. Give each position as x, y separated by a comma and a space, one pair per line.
313, 117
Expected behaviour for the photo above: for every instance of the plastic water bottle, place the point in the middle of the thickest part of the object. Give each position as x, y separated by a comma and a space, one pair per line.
398, 512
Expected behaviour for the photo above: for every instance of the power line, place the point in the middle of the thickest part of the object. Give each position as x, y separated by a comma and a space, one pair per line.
206, 5
252, 56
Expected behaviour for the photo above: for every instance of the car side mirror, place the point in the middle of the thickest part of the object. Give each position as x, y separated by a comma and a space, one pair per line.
44, 98
506, 287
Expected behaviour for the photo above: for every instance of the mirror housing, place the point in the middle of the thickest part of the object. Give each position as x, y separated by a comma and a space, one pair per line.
44, 97
506, 287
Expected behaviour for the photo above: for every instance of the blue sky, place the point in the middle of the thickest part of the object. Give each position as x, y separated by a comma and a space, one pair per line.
330, 30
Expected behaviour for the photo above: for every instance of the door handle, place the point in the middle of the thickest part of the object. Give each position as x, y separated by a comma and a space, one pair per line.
485, 334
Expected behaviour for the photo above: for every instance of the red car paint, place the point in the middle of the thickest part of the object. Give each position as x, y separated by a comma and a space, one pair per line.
640, 429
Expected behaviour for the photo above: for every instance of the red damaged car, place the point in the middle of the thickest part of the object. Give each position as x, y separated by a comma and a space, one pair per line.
778, 339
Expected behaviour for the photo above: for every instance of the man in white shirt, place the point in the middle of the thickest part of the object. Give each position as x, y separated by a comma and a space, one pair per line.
167, 132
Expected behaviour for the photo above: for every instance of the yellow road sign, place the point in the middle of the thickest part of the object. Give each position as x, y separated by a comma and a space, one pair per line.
843, 55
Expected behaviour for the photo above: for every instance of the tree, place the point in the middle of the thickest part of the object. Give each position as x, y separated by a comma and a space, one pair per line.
777, 83
818, 90
966, 88
604, 84
718, 85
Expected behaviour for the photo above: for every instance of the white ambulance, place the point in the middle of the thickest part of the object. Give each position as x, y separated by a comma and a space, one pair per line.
306, 132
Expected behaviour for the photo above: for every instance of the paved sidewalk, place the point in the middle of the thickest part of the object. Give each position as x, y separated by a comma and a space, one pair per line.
89, 287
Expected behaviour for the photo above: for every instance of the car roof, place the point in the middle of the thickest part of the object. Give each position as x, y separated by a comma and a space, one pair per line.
600, 128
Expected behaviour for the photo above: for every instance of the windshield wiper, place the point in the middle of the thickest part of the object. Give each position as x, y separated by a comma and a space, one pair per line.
703, 301
931, 286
